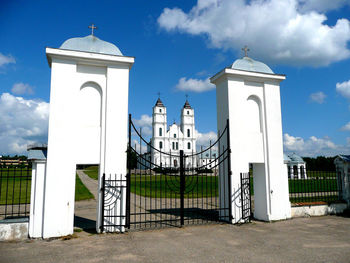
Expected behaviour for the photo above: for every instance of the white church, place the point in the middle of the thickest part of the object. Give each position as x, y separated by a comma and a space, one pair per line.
166, 143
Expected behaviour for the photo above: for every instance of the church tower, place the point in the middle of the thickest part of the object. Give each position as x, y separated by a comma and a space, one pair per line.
188, 128
159, 125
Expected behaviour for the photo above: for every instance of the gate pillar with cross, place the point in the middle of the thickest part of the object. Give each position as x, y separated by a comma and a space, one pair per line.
87, 125
248, 94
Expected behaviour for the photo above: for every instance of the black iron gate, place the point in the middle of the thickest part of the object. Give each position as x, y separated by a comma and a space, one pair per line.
176, 188
246, 202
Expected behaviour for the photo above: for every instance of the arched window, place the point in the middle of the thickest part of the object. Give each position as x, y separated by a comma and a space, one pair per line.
160, 132
302, 174
173, 145
189, 146
295, 170
174, 135
177, 145
160, 145
160, 110
188, 133
188, 112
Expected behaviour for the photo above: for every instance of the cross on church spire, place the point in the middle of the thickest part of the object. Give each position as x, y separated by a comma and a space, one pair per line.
92, 28
245, 49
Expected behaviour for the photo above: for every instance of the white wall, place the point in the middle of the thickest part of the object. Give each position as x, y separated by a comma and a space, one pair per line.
251, 102
87, 125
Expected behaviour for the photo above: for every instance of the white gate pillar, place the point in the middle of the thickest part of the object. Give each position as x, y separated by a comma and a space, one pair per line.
37, 156
87, 125
248, 95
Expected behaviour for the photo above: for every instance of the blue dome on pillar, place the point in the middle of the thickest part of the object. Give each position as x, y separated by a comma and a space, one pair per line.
249, 64
91, 44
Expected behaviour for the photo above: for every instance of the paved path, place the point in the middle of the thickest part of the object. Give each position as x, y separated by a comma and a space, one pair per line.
90, 183
317, 239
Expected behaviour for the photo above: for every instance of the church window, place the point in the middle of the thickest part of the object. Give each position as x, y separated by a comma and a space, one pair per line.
188, 112
189, 146
174, 135
160, 110
160, 132
177, 145
160, 145
173, 145
188, 133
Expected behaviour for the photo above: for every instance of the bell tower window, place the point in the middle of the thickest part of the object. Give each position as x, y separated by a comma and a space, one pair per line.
160, 132
189, 146
160, 145
188, 133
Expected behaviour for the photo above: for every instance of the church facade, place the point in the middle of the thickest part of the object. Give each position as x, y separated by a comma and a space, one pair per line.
167, 142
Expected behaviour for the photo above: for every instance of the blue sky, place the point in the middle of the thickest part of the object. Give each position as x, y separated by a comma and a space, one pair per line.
177, 45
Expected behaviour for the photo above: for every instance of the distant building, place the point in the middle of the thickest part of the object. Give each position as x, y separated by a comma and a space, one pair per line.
296, 166
173, 139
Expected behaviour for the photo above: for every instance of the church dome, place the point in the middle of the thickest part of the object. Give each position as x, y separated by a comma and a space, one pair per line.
91, 44
296, 158
286, 158
250, 64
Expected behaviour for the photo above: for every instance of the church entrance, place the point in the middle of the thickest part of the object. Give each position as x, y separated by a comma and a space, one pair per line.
178, 194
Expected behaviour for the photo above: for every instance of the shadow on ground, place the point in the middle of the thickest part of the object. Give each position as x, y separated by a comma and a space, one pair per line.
85, 224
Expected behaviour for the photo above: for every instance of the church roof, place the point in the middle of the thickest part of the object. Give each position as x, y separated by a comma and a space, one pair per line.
159, 103
249, 64
187, 105
91, 44
345, 158
286, 158
296, 158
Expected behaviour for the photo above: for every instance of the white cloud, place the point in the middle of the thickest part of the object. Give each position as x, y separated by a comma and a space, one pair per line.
196, 85
145, 120
22, 89
275, 30
22, 122
136, 146
313, 146
145, 123
318, 97
6, 60
344, 89
346, 127
204, 139
321, 5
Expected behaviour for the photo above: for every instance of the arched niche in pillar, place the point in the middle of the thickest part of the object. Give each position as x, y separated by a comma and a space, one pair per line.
88, 123
253, 114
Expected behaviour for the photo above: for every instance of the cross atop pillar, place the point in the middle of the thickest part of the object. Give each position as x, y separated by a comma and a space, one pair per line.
245, 49
92, 28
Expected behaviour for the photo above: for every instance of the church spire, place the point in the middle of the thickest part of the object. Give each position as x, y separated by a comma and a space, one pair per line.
159, 103
187, 105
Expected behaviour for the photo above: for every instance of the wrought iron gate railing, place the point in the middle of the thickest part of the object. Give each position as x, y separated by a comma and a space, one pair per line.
246, 203
113, 210
177, 188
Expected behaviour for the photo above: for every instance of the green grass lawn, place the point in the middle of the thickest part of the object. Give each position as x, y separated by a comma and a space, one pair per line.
169, 186
81, 192
326, 199
321, 174
312, 185
157, 186
92, 172
15, 187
